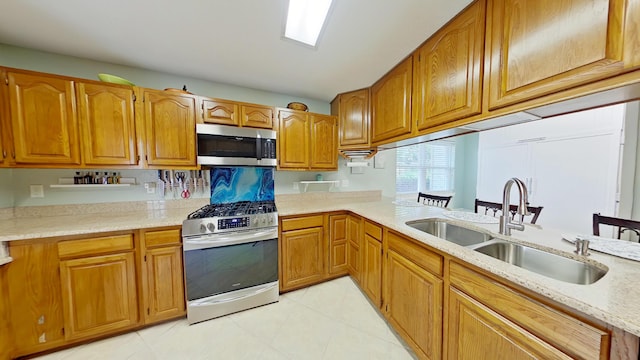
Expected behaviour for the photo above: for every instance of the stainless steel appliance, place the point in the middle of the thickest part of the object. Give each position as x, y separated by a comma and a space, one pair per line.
230, 258
228, 145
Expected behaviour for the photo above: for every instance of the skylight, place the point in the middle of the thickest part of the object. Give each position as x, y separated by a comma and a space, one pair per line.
305, 20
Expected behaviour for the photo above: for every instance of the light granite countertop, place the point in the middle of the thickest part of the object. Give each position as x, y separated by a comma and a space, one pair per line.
611, 299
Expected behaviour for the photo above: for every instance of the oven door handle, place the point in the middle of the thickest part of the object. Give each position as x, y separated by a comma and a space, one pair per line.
219, 240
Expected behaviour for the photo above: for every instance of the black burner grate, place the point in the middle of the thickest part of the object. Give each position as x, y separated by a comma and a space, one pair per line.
234, 209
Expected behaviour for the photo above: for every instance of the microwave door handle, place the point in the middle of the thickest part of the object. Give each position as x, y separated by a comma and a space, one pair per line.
258, 147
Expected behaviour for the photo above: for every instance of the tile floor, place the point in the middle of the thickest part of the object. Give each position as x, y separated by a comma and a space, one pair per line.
332, 320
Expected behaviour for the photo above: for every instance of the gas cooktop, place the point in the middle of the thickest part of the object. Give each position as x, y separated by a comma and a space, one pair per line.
238, 216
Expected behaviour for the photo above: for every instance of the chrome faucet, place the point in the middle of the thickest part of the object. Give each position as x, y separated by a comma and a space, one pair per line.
505, 222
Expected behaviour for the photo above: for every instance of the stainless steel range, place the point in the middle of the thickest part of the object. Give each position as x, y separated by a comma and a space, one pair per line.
230, 258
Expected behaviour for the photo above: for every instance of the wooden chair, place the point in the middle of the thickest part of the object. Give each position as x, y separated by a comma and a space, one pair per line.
513, 209
434, 200
622, 224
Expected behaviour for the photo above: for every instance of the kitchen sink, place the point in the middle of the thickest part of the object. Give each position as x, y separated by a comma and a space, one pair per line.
542, 262
450, 232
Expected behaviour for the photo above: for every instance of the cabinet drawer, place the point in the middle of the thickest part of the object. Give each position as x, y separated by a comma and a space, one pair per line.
579, 339
94, 246
161, 238
302, 222
373, 230
416, 253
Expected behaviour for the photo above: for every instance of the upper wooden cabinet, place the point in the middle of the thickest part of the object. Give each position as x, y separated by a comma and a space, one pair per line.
43, 117
540, 47
307, 141
4, 123
447, 70
391, 103
170, 128
228, 112
352, 110
324, 142
107, 124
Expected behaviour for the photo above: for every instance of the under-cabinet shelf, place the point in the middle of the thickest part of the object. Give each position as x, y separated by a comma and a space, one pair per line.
77, 186
331, 183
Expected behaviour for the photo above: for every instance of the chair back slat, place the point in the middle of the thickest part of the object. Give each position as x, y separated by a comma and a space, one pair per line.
513, 209
621, 224
434, 200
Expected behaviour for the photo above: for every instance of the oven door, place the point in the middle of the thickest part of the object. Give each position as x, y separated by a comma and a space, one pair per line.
222, 263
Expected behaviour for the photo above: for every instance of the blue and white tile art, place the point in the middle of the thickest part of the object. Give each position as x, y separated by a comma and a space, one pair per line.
233, 184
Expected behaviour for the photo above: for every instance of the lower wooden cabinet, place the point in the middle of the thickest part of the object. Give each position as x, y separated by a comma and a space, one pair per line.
99, 290
302, 247
372, 262
338, 244
476, 331
413, 297
354, 261
33, 297
513, 324
162, 275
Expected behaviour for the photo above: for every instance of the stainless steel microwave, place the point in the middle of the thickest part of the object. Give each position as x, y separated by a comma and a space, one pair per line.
229, 145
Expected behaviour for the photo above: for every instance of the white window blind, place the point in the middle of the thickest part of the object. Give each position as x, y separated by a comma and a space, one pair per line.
426, 167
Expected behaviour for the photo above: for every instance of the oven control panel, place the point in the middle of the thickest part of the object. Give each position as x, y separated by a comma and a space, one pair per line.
233, 223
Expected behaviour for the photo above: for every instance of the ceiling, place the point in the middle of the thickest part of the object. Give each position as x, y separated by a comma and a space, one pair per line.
231, 41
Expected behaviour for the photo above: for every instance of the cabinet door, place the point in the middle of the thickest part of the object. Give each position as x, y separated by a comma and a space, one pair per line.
293, 139
170, 123
220, 112
34, 297
6, 340
391, 103
338, 243
353, 118
43, 119
540, 47
448, 70
5, 150
165, 286
302, 257
413, 298
99, 294
354, 261
256, 116
324, 142
107, 124
475, 331
372, 269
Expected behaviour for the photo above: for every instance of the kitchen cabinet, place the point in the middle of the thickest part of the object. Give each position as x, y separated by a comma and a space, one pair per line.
352, 110
491, 318
391, 103
307, 141
33, 297
162, 275
338, 243
324, 142
536, 48
43, 119
4, 122
301, 249
107, 124
447, 73
6, 340
169, 121
227, 112
476, 329
99, 287
354, 261
372, 262
413, 294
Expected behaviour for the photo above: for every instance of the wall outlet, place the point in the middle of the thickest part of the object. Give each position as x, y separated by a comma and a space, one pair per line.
151, 187
37, 191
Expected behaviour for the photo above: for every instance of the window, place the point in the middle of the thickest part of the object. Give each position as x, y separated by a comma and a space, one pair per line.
425, 167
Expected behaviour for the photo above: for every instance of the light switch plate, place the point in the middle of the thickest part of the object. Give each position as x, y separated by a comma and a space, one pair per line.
37, 191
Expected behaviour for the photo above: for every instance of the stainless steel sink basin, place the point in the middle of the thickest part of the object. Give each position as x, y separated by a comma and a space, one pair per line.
542, 262
450, 232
